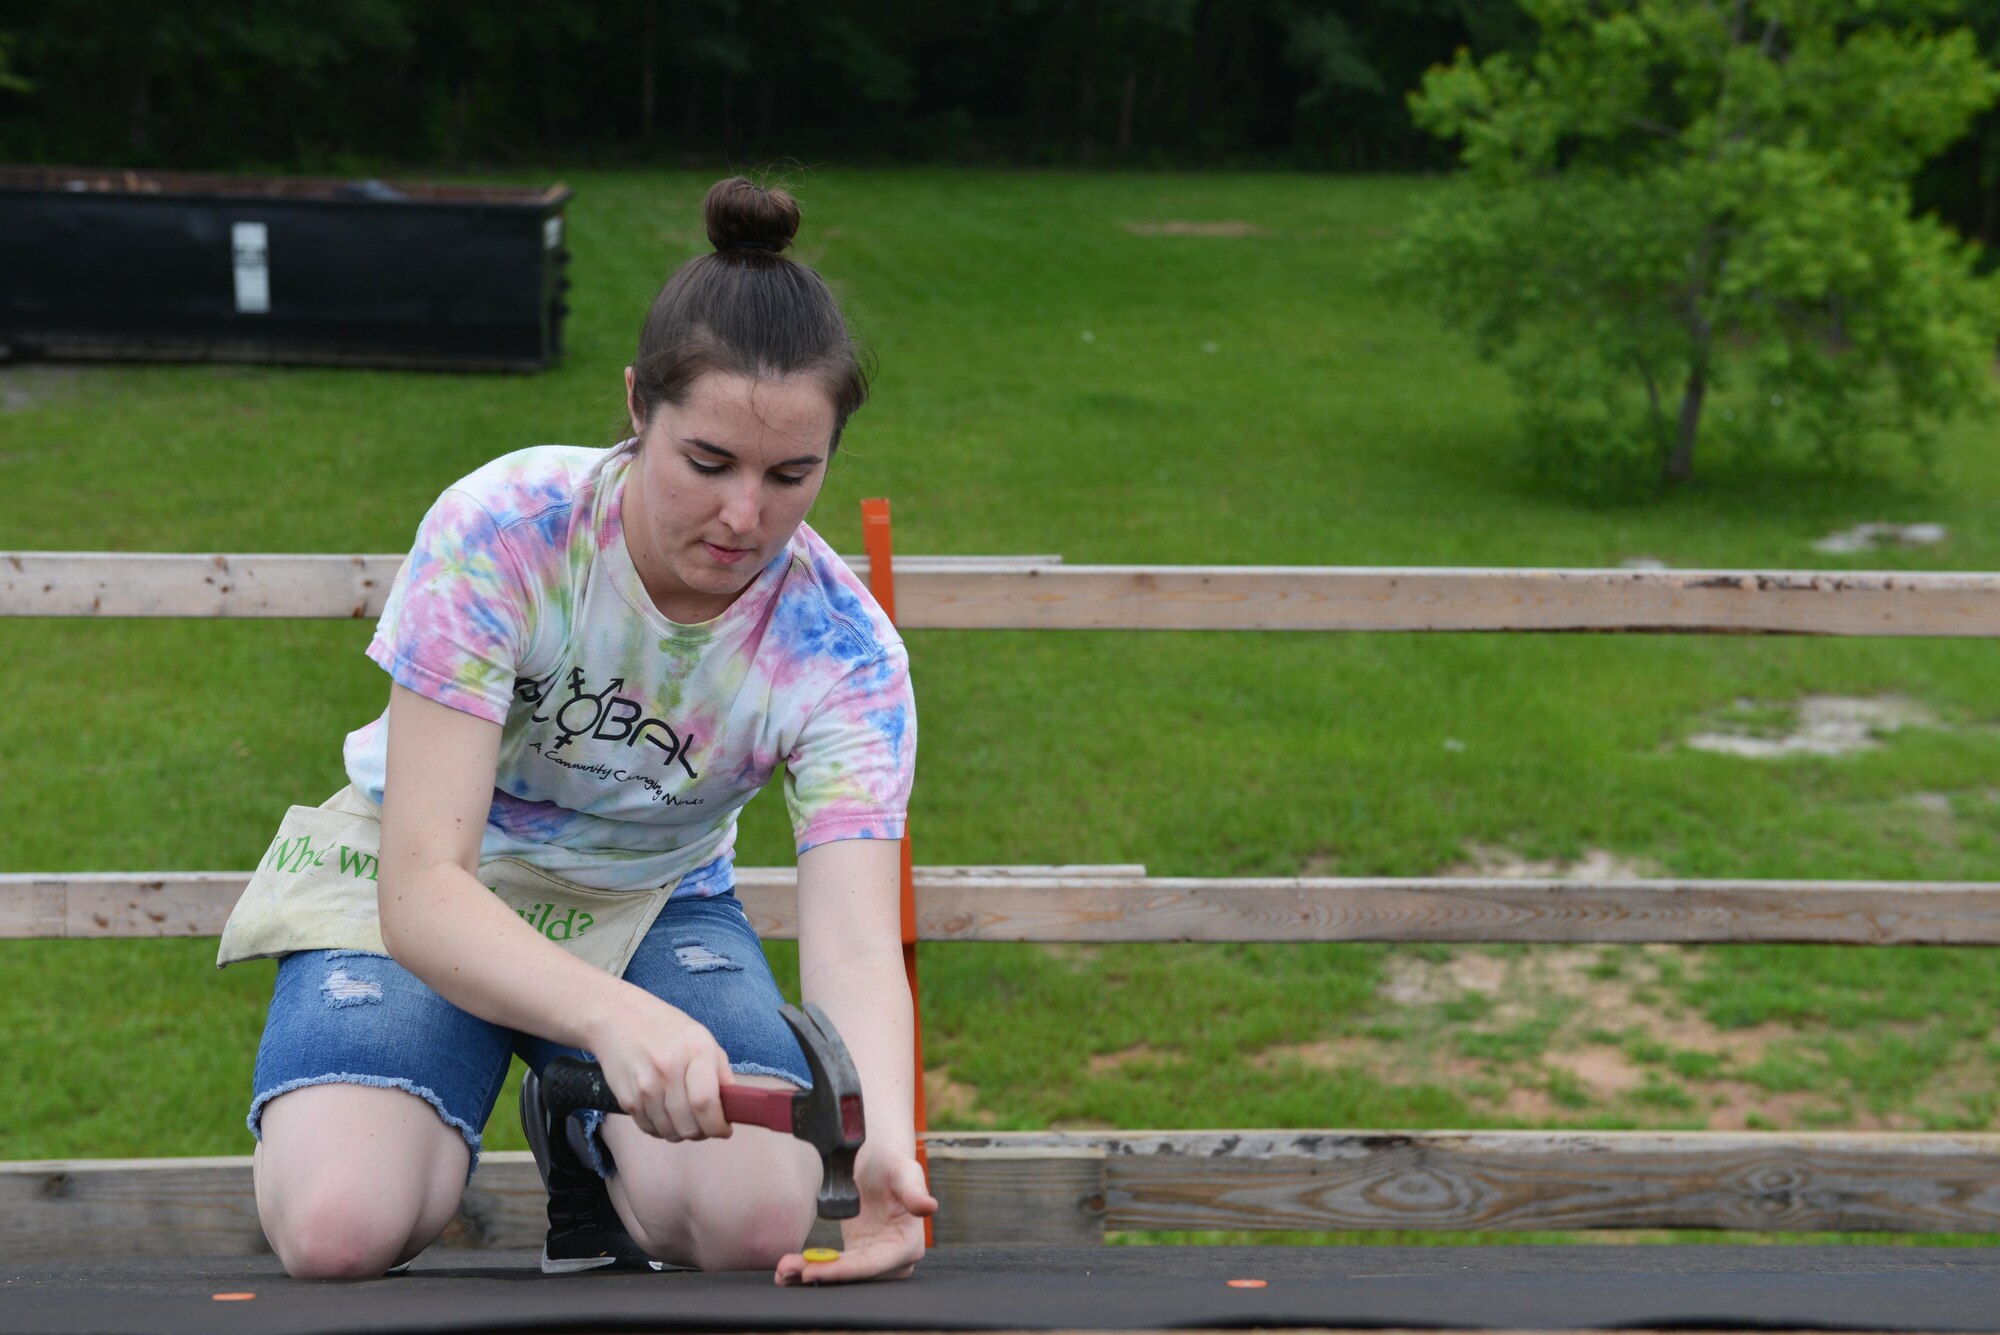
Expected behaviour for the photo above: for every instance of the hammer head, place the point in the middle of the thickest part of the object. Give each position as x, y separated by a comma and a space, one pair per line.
828, 1116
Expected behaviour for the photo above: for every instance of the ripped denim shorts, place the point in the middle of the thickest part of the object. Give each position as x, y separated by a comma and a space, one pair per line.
350, 1017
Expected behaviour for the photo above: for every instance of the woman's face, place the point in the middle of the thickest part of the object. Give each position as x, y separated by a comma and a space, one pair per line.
721, 484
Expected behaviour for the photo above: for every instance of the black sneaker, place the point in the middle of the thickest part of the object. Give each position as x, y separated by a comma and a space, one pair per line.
585, 1232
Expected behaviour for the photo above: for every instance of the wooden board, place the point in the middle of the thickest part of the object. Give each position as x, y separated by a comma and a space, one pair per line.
1036, 1195
1034, 593
1012, 1185
1512, 1180
1114, 903
1369, 599
75, 1209
1440, 909
272, 584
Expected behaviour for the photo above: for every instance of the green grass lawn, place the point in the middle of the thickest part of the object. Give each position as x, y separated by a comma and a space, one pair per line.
1054, 381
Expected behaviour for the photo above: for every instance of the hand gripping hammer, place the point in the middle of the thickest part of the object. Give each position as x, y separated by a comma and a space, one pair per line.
827, 1116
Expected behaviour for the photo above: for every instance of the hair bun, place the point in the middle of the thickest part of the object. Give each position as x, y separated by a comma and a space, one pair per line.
739, 212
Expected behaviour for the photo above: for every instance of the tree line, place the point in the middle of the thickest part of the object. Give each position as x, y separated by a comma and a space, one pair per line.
349, 85
1092, 82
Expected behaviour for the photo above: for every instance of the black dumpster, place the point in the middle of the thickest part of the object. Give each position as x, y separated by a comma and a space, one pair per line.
98, 263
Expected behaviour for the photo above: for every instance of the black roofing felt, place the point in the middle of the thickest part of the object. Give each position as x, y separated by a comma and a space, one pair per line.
963, 1288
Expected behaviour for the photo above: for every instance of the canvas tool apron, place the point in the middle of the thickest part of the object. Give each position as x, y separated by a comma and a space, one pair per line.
315, 888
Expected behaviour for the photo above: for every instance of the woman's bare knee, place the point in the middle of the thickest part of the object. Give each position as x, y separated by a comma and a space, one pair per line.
353, 1179
736, 1204
755, 1236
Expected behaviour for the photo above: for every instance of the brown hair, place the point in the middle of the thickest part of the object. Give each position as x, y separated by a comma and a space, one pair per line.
747, 310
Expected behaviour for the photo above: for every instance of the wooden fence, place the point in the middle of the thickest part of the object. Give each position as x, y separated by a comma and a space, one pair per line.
1071, 1186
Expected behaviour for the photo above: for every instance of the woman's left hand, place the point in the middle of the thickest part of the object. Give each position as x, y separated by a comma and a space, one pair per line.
884, 1241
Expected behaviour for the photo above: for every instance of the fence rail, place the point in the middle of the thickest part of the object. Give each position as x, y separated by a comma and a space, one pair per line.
1113, 904
1072, 1186
1041, 593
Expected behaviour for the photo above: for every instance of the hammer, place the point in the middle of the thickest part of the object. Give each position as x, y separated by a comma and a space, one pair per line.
827, 1116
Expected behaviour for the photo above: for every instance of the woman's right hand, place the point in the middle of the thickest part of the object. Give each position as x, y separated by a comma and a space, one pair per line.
666, 1070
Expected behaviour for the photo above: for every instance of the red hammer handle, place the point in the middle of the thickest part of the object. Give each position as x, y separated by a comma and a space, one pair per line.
751, 1106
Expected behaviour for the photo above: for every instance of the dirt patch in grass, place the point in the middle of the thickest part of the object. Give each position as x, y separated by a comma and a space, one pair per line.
1733, 1105
1137, 1054
1227, 227
1819, 725
1549, 1035
1415, 981
1330, 1054
1596, 864
1871, 537
1554, 1035
1604, 1072
948, 1102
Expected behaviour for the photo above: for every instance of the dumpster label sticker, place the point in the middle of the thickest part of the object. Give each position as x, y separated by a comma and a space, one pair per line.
551, 232
250, 244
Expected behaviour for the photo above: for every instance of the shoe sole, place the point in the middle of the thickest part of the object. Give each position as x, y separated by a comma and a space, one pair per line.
572, 1267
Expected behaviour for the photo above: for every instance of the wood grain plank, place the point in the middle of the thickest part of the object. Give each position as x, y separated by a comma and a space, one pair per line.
1472, 909
177, 584
274, 584
80, 1209
1018, 1196
1794, 602
99, 905
1110, 904
1333, 1179
1513, 1180
1032, 593
59, 1209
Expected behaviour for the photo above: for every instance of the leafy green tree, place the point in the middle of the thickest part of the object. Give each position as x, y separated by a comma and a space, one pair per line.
1672, 202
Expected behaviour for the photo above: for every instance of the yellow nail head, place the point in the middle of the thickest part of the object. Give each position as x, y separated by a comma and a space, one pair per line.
821, 1254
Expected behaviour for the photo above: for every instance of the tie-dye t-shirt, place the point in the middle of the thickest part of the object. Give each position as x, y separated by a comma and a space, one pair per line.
629, 742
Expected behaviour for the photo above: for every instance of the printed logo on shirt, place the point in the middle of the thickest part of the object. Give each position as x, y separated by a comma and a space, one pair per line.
603, 716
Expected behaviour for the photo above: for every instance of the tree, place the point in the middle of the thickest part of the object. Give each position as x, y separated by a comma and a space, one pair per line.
1710, 202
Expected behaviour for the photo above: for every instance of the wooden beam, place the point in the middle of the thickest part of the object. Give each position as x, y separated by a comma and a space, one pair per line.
1515, 1180
84, 1209
1030, 1195
101, 905
1113, 904
1443, 909
995, 1185
271, 584
1038, 593
1382, 599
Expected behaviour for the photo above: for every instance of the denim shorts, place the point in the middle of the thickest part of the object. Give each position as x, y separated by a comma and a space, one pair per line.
353, 1017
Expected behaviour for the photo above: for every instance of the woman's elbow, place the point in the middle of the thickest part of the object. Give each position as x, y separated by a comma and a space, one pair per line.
394, 897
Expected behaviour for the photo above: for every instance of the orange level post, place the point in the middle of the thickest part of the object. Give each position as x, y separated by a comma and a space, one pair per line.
875, 540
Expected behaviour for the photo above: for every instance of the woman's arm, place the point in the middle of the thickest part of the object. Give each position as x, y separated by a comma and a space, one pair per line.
851, 964
442, 925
